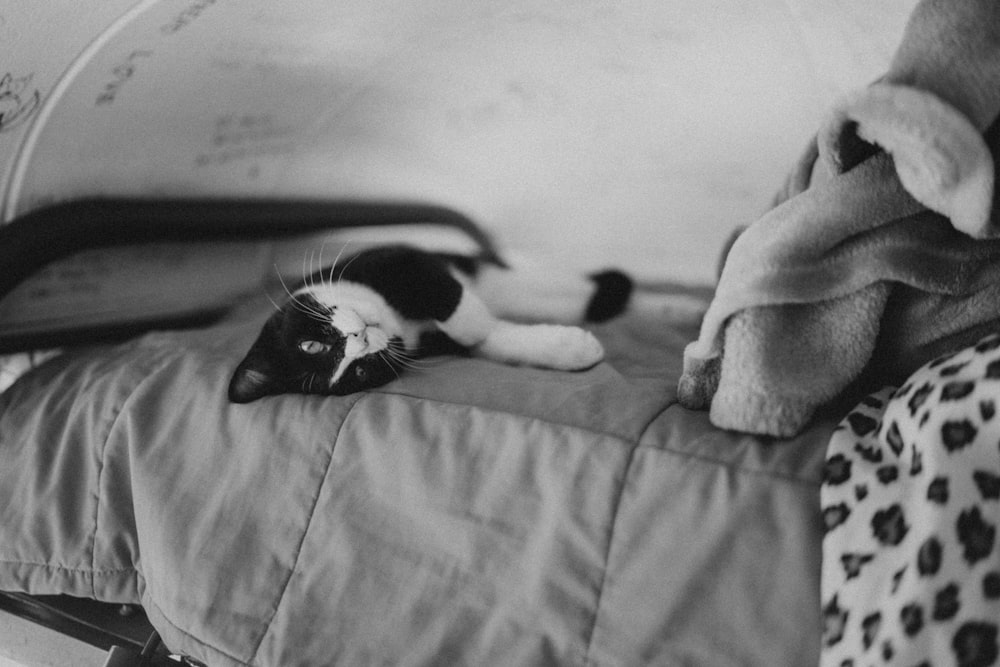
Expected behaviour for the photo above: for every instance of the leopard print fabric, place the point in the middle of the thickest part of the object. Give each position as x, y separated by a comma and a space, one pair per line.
911, 504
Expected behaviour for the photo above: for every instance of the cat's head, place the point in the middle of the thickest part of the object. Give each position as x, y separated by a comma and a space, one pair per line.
311, 347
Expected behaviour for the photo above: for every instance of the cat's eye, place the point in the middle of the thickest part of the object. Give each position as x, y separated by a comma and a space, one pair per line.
360, 373
313, 347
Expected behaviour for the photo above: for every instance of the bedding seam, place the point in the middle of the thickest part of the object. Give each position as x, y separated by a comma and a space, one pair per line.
635, 445
155, 369
749, 471
607, 552
305, 530
717, 461
50, 566
497, 411
635, 442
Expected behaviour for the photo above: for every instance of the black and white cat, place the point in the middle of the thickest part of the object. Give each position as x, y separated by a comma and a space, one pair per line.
357, 325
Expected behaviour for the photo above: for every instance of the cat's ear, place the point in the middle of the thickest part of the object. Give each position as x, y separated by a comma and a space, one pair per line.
256, 376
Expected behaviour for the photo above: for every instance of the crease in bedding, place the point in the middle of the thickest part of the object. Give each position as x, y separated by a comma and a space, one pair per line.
298, 551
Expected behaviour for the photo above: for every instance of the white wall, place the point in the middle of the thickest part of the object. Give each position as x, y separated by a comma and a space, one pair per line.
686, 129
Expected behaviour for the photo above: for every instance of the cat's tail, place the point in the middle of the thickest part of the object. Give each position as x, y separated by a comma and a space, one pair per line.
612, 293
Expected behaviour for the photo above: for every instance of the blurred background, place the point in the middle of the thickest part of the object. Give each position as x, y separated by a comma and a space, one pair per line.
636, 133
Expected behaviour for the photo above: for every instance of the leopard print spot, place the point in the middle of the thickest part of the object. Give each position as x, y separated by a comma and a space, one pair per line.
894, 438
860, 491
897, 579
852, 563
911, 617
887, 651
987, 409
975, 534
917, 465
870, 454
929, 557
991, 585
872, 402
943, 359
975, 644
887, 474
834, 516
988, 483
834, 622
946, 603
988, 344
953, 369
919, 397
937, 490
861, 424
870, 626
889, 525
993, 370
954, 391
956, 434
836, 470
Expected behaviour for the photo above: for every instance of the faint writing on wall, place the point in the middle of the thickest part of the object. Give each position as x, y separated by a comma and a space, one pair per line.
242, 128
18, 100
186, 17
239, 136
121, 73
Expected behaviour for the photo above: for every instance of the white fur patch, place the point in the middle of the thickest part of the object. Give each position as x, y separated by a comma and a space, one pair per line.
359, 308
554, 346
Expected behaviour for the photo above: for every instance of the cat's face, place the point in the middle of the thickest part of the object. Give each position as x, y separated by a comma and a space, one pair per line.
314, 345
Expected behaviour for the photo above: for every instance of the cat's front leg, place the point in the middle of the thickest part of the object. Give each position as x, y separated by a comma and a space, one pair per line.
556, 346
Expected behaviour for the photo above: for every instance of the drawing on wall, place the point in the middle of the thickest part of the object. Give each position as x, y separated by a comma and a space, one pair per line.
17, 100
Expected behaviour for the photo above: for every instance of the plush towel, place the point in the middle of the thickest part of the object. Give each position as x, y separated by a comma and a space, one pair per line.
882, 253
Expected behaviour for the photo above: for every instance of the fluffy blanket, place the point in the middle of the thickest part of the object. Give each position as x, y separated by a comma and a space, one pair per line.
883, 246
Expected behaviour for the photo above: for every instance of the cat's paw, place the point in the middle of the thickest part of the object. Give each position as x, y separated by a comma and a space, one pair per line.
570, 348
554, 346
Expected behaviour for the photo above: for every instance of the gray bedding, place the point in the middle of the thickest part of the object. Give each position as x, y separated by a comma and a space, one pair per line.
469, 513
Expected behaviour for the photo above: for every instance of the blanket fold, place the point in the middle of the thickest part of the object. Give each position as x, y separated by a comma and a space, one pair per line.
881, 252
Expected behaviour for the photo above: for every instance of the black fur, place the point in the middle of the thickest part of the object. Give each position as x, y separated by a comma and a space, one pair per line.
611, 297
417, 284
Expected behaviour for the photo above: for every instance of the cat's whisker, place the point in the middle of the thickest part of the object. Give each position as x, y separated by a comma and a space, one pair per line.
294, 300
405, 360
340, 276
401, 351
303, 273
319, 271
388, 363
307, 382
312, 266
310, 311
337, 259
273, 302
284, 286
304, 308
